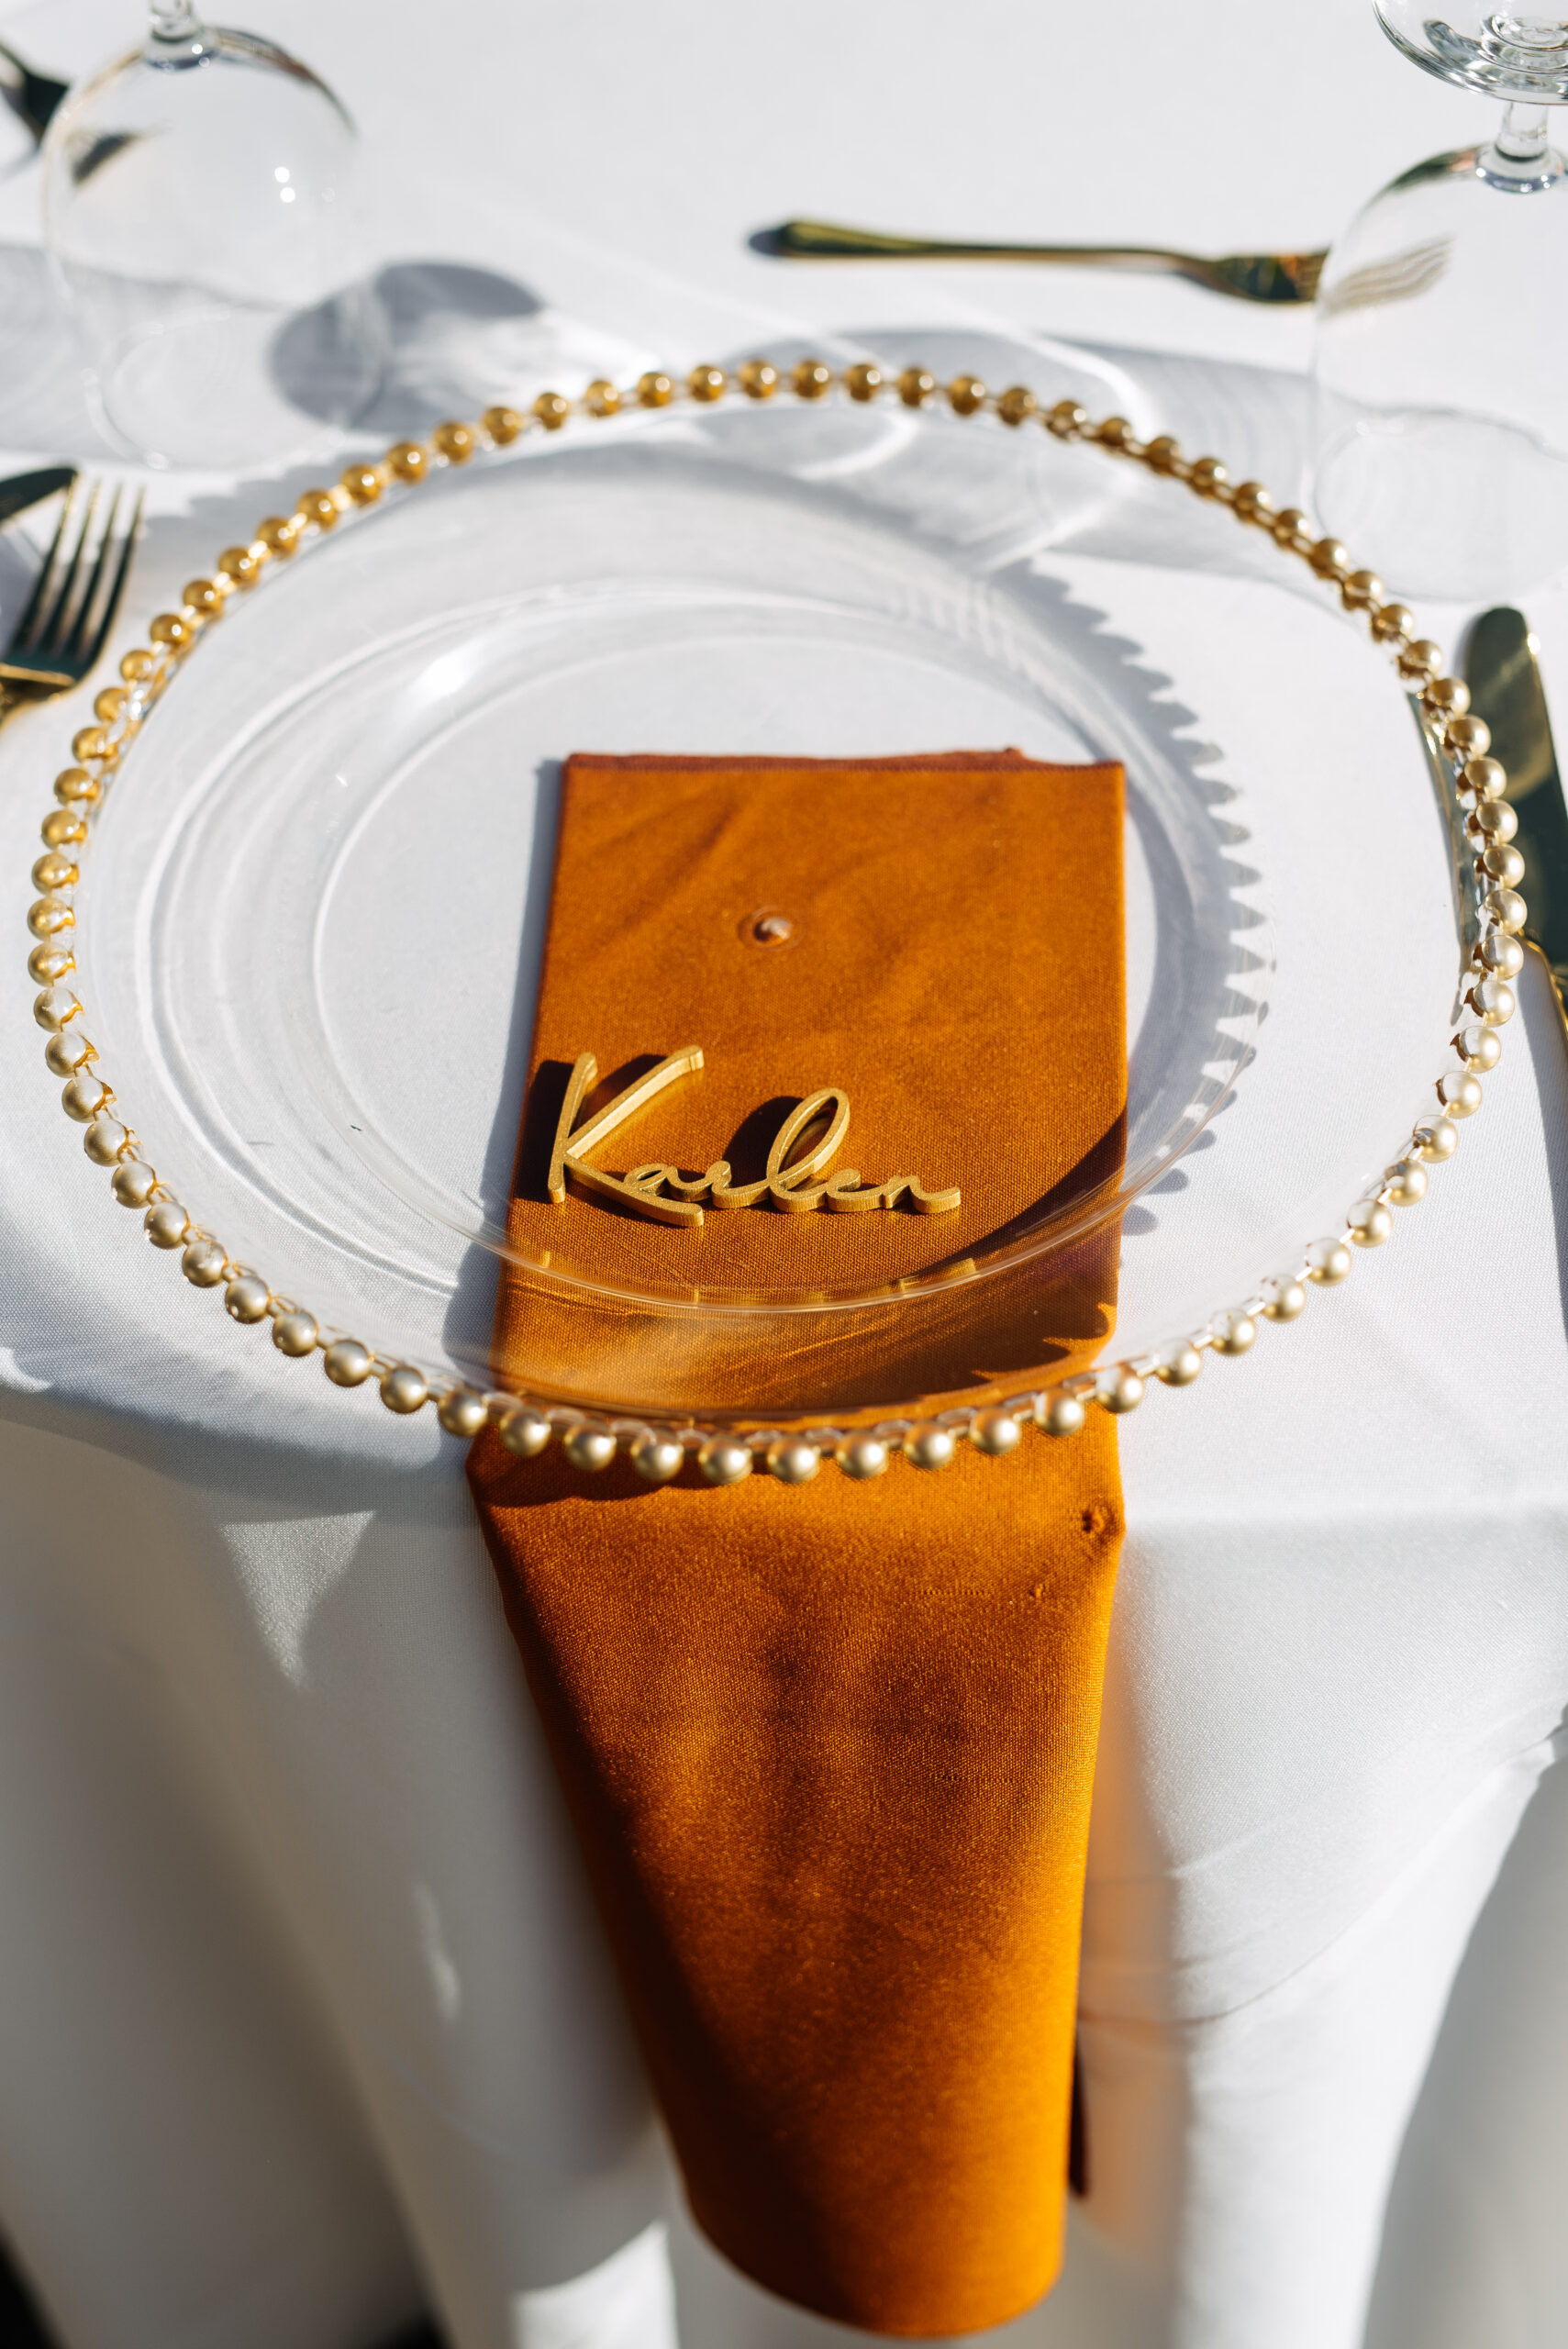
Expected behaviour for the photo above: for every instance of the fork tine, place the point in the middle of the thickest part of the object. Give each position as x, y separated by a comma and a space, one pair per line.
71, 648
117, 580
47, 636
40, 585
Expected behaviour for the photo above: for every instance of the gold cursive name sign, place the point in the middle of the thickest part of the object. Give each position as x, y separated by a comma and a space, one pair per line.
790, 1185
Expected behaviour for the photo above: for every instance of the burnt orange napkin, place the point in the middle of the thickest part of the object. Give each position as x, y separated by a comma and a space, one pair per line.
829, 1749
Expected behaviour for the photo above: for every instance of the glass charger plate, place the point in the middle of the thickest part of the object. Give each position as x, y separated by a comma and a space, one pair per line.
312, 923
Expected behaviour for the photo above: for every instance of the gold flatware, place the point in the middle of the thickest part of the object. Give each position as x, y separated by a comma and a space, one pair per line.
74, 598
1277, 278
1506, 690
29, 489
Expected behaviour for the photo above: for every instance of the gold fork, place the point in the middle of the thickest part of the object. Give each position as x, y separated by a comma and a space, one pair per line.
74, 598
1246, 277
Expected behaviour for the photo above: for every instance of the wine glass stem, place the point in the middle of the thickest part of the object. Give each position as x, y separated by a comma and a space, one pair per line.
1522, 138
172, 20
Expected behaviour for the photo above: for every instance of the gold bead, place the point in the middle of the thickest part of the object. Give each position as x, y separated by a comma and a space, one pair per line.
759, 379
133, 1182
503, 425
83, 1097
916, 385
810, 378
1328, 559
725, 1460
1437, 1139
1467, 737
63, 827
524, 1432
589, 1446
928, 1447
1494, 1001
1115, 432
601, 398
1162, 455
1361, 591
347, 1363
1504, 863
110, 705
1369, 1223
295, 1333
1494, 819
1232, 1331
247, 1298
1479, 1047
320, 507
455, 442
1506, 908
1067, 420
994, 1433
706, 383
1290, 530
243, 565
461, 1411
279, 534
1421, 659
205, 597
1404, 1182
166, 1224
1062, 1416
551, 410
862, 382
1118, 1389
1179, 1363
1328, 1263
406, 460
1459, 1093
1251, 503
1485, 777
1502, 954
403, 1388
46, 964
1446, 697
793, 1461
363, 484
1207, 476
657, 1458
1282, 1299
203, 1262
1392, 623
861, 1456
104, 1141
74, 787
49, 916
54, 872
136, 667
92, 742
654, 389
966, 394
66, 1050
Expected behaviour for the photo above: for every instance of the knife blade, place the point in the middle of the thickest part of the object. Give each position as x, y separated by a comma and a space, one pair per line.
1505, 689
26, 489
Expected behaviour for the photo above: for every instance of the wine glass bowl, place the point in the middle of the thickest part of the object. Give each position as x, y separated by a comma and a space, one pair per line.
198, 205
1440, 435
1501, 51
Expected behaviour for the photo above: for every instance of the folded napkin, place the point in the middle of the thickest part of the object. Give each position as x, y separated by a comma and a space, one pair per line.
829, 1749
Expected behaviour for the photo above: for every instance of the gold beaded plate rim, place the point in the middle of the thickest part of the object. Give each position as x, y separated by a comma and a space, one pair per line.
1493, 915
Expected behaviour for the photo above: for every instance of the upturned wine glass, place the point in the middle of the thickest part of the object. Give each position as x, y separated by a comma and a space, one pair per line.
199, 212
1441, 422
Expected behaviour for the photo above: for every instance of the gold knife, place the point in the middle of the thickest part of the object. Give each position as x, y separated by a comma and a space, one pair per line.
1504, 677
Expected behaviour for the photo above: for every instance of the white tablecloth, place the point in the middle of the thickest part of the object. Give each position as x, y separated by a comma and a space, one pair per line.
304, 2022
